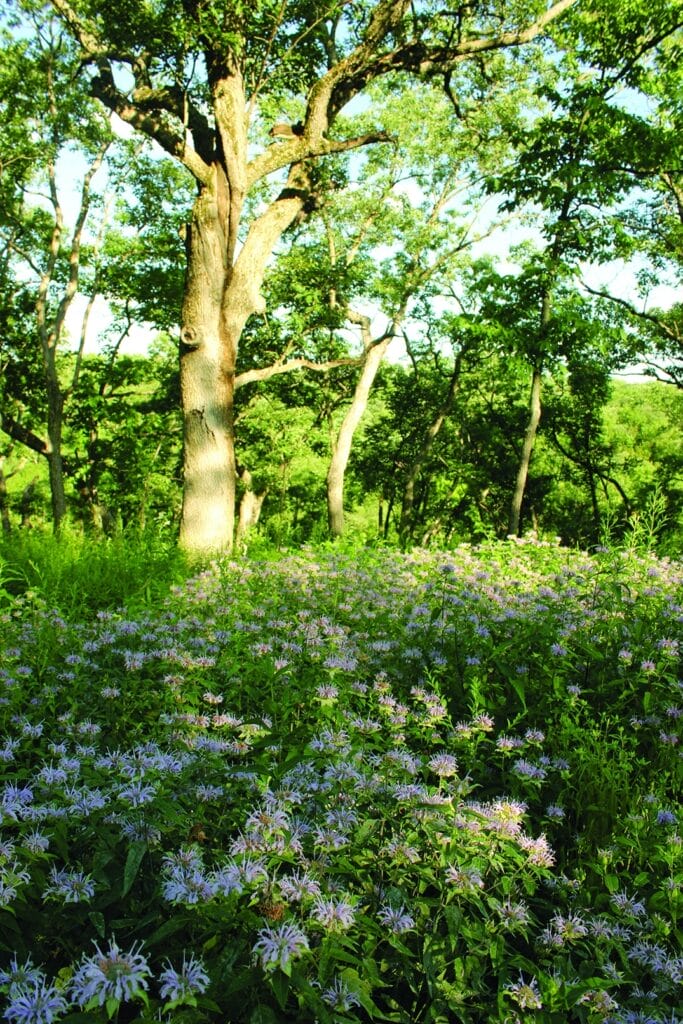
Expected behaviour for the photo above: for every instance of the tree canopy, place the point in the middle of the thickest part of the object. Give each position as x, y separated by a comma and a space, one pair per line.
291, 190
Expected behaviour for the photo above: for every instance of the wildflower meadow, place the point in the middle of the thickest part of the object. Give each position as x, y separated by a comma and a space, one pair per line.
348, 786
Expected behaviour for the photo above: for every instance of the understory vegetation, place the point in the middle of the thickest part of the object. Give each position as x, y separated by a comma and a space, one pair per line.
340, 785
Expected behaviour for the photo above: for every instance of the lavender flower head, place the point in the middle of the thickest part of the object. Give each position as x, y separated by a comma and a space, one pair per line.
37, 1002
182, 986
335, 914
397, 919
21, 975
69, 886
525, 994
443, 765
111, 975
278, 946
339, 996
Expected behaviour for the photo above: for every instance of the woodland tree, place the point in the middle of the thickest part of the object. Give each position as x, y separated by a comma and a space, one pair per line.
424, 206
208, 82
42, 260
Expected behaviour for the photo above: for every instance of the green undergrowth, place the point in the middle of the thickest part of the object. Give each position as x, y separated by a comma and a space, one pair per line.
80, 575
343, 786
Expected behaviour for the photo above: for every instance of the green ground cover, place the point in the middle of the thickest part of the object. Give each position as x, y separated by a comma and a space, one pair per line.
343, 787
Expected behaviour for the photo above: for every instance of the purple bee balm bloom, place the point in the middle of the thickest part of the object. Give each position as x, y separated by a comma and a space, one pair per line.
332, 913
397, 919
339, 996
190, 980
187, 885
35, 1003
278, 946
70, 886
111, 975
21, 975
443, 765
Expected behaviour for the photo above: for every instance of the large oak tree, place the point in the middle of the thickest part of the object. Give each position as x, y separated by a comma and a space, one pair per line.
213, 83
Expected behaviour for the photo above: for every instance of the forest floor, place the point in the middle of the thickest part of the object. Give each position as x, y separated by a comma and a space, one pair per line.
342, 786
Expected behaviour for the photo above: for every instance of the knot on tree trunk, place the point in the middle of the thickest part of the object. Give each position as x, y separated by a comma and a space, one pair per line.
188, 338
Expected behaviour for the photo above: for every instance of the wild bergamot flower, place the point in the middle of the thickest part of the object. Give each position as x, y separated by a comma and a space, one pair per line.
183, 985
111, 975
279, 945
37, 1002
339, 996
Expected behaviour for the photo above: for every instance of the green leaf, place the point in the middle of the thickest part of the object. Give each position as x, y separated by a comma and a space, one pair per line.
453, 920
263, 1015
112, 1006
280, 984
517, 684
98, 922
175, 924
133, 861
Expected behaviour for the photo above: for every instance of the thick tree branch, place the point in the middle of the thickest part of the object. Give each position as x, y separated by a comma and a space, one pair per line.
283, 154
175, 101
18, 432
144, 112
263, 234
363, 65
150, 124
90, 42
664, 374
14, 429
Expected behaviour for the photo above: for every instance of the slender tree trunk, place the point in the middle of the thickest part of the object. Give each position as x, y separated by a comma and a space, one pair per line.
27, 502
527, 449
342, 446
55, 422
597, 519
250, 508
387, 518
4, 501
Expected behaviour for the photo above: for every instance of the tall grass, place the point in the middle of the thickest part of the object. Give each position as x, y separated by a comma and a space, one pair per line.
80, 575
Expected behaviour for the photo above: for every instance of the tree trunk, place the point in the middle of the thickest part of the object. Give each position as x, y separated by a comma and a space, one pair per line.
27, 502
250, 508
597, 519
207, 370
387, 518
342, 446
221, 293
55, 422
527, 449
4, 501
